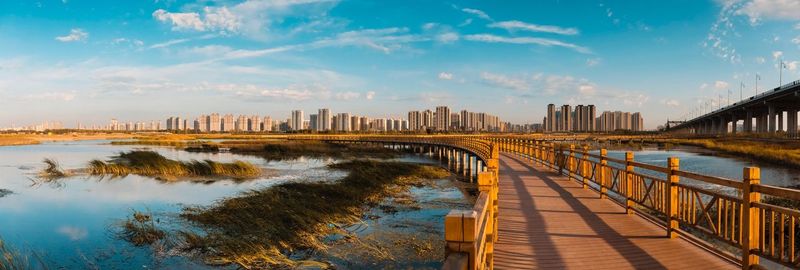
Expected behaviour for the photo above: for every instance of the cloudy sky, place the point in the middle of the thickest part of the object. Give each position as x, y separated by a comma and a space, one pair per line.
89, 61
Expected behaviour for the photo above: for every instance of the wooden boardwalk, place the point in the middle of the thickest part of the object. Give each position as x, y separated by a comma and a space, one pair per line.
549, 222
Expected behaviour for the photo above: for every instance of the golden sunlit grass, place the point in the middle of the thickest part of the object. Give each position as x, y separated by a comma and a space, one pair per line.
775, 152
289, 149
261, 227
149, 163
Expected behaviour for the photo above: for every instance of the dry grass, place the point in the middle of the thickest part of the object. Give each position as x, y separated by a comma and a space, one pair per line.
286, 150
149, 163
27, 139
53, 170
140, 229
13, 259
775, 152
260, 228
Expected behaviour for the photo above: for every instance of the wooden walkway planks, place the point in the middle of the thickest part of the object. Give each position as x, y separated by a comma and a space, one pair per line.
549, 222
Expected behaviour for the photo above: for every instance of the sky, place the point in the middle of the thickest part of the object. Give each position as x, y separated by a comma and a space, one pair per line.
90, 61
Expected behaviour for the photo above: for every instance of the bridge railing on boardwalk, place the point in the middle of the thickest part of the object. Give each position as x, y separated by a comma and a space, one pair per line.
724, 215
469, 234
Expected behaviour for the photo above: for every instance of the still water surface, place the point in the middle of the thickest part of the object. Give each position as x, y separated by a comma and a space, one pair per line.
72, 223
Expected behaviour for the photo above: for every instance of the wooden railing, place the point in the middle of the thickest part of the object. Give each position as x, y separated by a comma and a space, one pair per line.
726, 216
470, 235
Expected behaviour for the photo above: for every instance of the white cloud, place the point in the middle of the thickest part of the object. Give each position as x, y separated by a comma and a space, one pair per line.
251, 18
478, 13
385, 40
587, 89
56, 96
76, 34
792, 65
525, 40
504, 81
671, 103
592, 62
180, 21
796, 40
214, 19
347, 95
169, 43
518, 25
760, 60
703, 86
445, 76
448, 37
73, 233
370, 95
776, 55
720, 85
758, 10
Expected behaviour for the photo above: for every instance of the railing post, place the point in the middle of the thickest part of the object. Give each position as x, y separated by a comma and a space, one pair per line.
460, 229
571, 162
629, 183
585, 167
487, 182
672, 196
751, 233
602, 173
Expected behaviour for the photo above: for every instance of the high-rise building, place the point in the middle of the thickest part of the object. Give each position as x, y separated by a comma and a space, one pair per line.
313, 122
364, 123
415, 120
566, 118
227, 123
551, 118
213, 123
296, 122
254, 123
324, 119
442, 118
343, 122
267, 124
355, 123
427, 120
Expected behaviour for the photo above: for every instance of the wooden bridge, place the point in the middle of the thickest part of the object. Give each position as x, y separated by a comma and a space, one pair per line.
544, 205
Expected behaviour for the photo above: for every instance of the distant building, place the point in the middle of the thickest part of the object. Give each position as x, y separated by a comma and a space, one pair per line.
442, 118
296, 122
324, 120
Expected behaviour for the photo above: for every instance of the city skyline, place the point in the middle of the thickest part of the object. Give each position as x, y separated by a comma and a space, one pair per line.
670, 60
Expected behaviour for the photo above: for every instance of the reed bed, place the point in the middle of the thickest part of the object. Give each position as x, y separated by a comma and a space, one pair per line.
287, 149
149, 163
53, 170
14, 259
263, 228
140, 229
773, 152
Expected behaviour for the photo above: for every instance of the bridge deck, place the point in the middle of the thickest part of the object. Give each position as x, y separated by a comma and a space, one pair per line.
549, 222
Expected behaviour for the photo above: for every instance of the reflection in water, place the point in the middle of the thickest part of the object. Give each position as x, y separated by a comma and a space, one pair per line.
68, 222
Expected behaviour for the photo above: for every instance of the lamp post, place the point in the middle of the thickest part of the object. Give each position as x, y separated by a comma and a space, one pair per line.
758, 77
741, 88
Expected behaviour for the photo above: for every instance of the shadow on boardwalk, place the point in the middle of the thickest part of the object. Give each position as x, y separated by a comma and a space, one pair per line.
549, 222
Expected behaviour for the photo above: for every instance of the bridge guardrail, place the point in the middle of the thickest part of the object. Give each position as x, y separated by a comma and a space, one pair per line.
720, 214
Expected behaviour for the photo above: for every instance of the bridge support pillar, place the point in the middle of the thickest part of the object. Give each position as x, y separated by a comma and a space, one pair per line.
792, 122
780, 121
734, 123
771, 118
748, 122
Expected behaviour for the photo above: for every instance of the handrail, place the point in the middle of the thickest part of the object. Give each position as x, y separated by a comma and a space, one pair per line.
724, 212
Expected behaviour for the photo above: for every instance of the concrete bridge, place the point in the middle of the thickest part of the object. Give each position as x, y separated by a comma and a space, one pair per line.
762, 113
544, 205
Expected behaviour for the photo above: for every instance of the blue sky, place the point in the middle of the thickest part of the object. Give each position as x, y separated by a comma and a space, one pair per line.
89, 61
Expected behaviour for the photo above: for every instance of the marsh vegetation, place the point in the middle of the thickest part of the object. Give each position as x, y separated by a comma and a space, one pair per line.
269, 227
149, 163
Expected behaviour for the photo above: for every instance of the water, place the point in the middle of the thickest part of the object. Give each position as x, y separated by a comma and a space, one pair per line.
72, 223
706, 162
